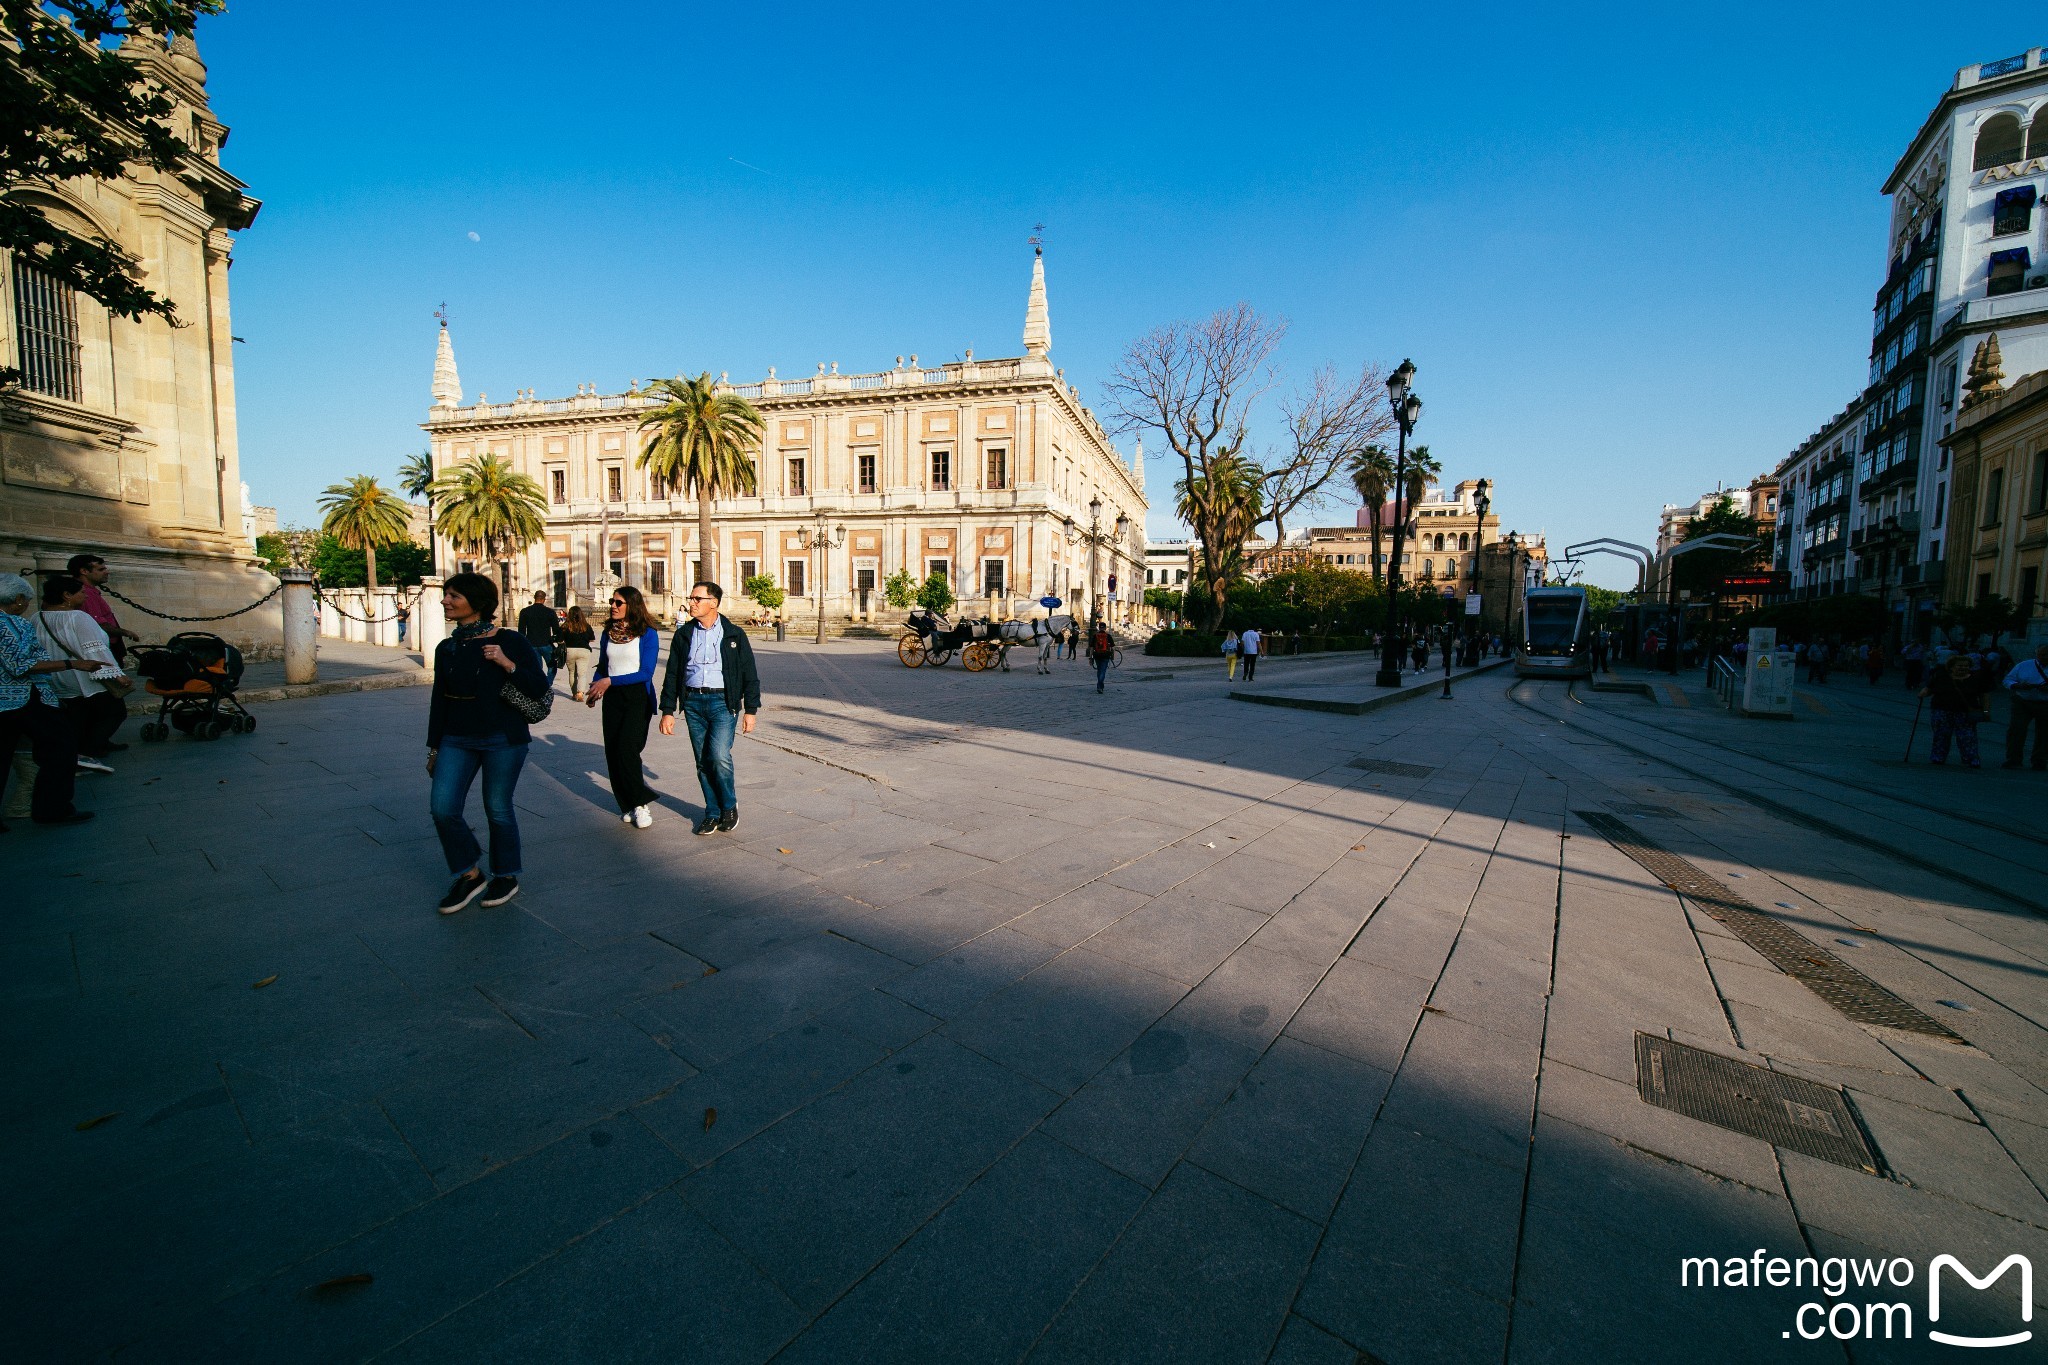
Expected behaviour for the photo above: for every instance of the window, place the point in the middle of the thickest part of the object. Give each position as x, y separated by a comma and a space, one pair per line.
1464, 540
2037, 497
2012, 211
2037, 136
618, 568
657, 575
939, 568
1994, 494
1998, 142
1983, 586
992, 577
465, 566
558, 580
748, 569
2009, 270
864, 584
796, 486
558, 486
1948, 385
793, 577
942, 470
614, 483
998, 467
867, 473
46, 333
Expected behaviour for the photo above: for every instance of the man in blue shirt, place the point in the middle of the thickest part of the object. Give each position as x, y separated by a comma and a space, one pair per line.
711, 675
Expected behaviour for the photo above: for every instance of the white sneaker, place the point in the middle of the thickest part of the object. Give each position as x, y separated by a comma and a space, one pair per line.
626, 818
641, 818
92, 765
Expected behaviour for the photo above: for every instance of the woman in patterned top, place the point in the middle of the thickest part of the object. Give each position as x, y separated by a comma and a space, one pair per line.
28, 706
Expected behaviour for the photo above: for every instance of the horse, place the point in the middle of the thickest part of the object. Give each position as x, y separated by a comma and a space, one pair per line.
1043, 632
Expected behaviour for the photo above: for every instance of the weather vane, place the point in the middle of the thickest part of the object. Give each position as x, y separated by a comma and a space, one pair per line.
442, 312
1038, 238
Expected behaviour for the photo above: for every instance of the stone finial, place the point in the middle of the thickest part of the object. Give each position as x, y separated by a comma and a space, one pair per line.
969, 355
913, 362
899, 362
447, 386
821, 367
1037, 321
835, 367
771, 371
1986, 378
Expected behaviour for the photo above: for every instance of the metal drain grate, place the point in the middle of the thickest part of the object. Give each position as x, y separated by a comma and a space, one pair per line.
1852, 993
1785, 1111
1391, 768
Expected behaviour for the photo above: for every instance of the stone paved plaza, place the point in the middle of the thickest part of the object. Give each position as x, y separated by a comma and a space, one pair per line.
1013, 1022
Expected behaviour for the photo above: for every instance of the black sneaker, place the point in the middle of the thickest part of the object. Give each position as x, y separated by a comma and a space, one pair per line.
728, 820
467, 888
500, 890
705, 826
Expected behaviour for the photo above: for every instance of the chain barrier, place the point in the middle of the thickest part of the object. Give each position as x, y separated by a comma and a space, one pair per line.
166, 616
338, 610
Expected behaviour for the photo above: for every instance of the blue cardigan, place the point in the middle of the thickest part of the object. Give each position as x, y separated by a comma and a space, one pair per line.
641, 671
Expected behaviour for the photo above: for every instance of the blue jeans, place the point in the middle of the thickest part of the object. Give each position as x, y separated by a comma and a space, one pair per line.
461, 758
712, 724
1101, 672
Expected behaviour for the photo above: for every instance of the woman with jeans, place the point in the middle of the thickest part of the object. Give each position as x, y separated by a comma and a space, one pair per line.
579, 651
28, 706
626, 655
472, 729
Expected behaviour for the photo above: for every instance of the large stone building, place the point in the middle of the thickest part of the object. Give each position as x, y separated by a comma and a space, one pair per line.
1439, 547
1998, 519
120, 437
991, 472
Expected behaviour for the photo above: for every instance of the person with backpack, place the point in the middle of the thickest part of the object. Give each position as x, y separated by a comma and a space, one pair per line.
488, 684
1230, 655
627, 653
1102, 650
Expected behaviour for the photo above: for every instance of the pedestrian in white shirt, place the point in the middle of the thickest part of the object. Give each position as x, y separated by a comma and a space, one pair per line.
2027, 683
1249, 644
95, 701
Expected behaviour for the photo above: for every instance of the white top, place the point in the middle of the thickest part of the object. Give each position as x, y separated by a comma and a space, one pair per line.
1248, 642
74, 635
2026, 673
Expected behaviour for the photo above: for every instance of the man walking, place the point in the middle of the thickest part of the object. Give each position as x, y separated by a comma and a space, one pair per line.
92, 571
1101, 652
2027, 684
1249, 644
538, 624
711, 674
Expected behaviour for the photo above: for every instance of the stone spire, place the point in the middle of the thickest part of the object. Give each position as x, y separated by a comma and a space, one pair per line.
1986, 378
1037, 323
1138, 465
447, 386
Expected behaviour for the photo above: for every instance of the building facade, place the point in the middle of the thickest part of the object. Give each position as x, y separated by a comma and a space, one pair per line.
120, 437
1998, 518
1817, 512
990, 472
1439, 547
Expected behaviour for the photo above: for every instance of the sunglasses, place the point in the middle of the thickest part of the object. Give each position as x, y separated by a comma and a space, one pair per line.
699, 597
618, 601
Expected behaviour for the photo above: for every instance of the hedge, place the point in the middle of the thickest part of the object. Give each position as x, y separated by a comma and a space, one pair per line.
1186, 644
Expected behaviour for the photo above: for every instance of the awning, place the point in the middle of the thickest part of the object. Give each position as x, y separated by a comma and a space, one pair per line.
2012, 256
2014, 200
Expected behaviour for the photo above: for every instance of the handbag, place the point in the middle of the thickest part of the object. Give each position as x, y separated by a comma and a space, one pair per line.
532, 710
560, 656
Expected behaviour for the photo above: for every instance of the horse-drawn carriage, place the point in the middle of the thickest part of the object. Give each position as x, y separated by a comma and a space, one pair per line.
929, 639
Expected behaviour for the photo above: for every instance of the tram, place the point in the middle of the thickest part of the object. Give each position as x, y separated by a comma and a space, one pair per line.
1557, 635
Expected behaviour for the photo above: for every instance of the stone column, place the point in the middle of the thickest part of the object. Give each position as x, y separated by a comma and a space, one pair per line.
301, 627
429, 626
384, 611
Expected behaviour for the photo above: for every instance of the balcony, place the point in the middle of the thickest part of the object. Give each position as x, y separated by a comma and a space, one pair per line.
1902, 472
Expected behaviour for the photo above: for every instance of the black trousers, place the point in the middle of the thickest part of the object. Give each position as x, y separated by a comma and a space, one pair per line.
56, 752
626, 714
2024, 713
1251, 666
94, 720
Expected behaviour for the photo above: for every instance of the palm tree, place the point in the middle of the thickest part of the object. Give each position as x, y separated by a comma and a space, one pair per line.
704, 440
1224, 505
488, 508
362, 514
1372, 474
1422, 472
416, 477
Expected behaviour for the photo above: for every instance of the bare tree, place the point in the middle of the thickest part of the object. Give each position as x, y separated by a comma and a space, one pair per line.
1329, 423
1194, 383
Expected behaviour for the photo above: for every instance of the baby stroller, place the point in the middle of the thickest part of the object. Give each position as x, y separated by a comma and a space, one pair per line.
196, 674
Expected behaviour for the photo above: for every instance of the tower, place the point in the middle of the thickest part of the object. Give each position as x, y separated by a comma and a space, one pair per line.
447, 385
1037, 322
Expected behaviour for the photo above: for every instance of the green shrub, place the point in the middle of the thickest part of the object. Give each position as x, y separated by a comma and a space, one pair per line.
1185, 644
762, 589
936, 596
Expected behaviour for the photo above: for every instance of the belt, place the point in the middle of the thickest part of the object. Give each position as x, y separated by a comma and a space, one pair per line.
710, 691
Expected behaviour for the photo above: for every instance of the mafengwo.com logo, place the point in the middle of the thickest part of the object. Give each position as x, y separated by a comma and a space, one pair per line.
1866, 1299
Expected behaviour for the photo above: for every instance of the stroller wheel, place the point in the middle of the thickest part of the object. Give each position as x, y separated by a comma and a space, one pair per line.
207, 729
154, 733
245, 725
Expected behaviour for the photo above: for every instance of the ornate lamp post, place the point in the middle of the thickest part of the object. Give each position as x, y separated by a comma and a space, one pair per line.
1516, 573
1407, 409
821, 535
1096, 538
1482, 499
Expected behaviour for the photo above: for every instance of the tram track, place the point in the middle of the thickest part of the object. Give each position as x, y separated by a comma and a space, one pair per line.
1794, 815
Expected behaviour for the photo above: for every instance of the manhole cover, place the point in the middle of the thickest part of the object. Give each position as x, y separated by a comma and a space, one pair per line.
1852, 993
1785, 1111
1391, 768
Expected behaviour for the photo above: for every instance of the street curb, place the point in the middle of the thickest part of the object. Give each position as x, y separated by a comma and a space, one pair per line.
1359, 708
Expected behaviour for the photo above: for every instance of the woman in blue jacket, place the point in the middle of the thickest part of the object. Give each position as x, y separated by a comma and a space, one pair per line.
627, 653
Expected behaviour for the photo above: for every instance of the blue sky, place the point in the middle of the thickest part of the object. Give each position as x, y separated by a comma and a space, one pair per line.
1630, 252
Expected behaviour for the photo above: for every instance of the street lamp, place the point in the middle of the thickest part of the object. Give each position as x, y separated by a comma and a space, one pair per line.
821, 535
1516, 555
1482, 498
1096, 538
1407, 410
1883, 539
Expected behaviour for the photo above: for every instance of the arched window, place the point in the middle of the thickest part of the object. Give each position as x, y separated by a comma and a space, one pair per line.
2037, 134
1464, 540
1998, 142
1439, 543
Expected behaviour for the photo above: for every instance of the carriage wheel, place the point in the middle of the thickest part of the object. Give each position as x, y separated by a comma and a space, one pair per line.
937, 657
977, 656
910, 649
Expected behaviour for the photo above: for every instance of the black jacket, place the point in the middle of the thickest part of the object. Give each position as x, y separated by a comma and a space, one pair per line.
742, 679
539, 625
466, 698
